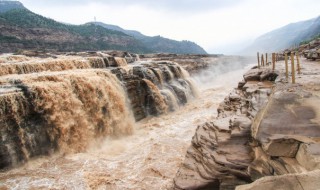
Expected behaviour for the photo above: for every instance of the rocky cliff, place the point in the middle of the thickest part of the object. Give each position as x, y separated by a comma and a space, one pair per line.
264, 128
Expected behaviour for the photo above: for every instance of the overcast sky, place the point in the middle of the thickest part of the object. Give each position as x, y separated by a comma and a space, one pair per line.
219, 26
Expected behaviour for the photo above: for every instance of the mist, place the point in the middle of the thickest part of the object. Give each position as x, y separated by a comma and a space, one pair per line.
222, 71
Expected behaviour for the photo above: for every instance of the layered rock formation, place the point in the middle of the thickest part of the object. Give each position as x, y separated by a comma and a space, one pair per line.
64, 102
262, 129
220, 153
192, 63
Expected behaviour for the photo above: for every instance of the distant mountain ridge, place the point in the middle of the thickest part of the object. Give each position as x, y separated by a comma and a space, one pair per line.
22, 29
159, 44
287, 36
9, 5
132, 33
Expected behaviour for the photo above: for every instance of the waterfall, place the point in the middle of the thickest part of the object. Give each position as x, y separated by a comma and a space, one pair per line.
67, 103
156, 87
62, 111
62, 64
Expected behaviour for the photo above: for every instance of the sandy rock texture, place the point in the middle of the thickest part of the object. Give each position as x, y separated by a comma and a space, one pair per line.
265, 127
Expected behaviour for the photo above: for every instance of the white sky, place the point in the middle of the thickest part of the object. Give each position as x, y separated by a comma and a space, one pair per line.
219, 26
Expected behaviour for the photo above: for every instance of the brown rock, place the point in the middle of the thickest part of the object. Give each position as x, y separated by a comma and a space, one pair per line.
302, 181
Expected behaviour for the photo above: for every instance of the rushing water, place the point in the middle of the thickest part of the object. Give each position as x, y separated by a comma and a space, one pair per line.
148, 159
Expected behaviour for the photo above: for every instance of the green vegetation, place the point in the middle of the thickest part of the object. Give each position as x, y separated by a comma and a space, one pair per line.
88, 36
160, 44
27, 19
9, 5
24, 29
308, 41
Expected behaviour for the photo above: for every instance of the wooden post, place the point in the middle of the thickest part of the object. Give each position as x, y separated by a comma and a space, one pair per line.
298, 63
293, 72
273, 61
262, 60
286, 62
266, 59
258, 60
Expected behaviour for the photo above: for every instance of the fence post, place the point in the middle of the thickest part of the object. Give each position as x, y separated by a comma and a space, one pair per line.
273, 61
266, 59
298, 63
258, 60
286, 62
293, 72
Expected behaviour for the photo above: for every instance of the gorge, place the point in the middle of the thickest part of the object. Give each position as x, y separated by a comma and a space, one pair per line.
81, 110
115, 120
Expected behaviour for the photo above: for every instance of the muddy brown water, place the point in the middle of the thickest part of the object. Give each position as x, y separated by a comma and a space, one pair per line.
147, 159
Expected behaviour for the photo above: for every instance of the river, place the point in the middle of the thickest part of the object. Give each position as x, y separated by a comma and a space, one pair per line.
148, 159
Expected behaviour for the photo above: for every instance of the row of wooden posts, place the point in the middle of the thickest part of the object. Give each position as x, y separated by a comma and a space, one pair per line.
275, 58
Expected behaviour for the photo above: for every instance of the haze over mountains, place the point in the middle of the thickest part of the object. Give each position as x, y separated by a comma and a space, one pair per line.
286, 36
23, 29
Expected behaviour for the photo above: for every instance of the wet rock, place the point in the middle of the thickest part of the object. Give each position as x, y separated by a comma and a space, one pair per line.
241, 84
253, 75
147, 85
260, 75
220, 152
192, 63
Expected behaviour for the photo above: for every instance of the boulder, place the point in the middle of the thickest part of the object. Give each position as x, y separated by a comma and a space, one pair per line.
301, 181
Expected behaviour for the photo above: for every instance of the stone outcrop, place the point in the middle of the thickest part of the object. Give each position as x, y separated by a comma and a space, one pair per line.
262, 129
300, 181
311, 50
156, 87
221, 152
191, 62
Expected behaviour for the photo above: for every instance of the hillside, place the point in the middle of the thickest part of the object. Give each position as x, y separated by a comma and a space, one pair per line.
284, 37
159, 44
22, 29
9, 5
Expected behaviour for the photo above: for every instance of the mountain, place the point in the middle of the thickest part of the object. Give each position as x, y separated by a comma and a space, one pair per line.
9, 5
22, 29
287, 36
158, 44
132, 33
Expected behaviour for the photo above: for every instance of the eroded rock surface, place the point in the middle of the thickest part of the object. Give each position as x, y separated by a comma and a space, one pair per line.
221, 153
263, 129
299, 181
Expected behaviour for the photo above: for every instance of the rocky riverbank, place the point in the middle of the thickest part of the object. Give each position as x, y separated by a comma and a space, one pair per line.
265, 127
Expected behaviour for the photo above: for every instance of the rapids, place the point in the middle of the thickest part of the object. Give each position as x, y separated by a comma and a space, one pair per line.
147, 159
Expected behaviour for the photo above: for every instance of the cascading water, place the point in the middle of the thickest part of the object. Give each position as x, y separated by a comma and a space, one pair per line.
156, 87
38, 65
65, 111
147, 159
